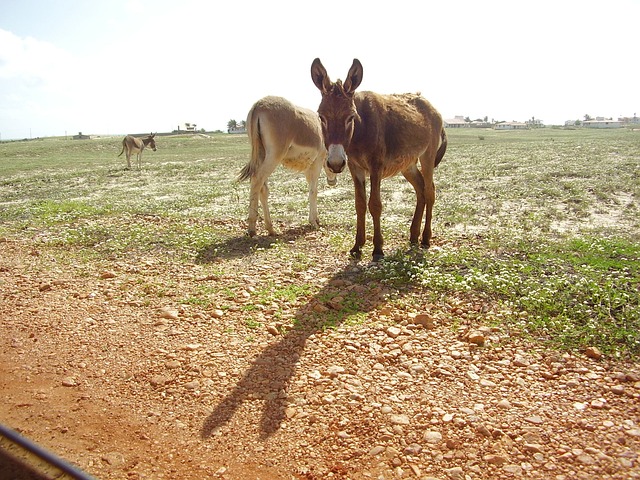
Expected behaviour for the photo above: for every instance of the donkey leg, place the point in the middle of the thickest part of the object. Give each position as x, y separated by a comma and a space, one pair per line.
430, 197
361, 210
313, 174
375, 208
254, 194
129, 160
264, 197
414, 177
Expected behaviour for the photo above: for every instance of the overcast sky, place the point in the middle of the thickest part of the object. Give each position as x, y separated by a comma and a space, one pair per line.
135, 66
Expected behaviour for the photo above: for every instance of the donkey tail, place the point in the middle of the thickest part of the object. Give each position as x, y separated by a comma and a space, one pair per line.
443, 147
122, 148
257, 149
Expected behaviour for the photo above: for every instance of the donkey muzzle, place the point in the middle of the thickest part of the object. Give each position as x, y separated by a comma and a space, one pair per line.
336, 158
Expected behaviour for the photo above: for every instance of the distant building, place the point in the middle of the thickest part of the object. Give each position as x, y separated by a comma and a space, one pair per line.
457, 122
510, 126
237, 129
80, 136
602, 123
187, 128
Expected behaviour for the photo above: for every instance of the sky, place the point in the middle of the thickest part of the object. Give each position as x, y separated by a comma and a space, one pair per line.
136, 66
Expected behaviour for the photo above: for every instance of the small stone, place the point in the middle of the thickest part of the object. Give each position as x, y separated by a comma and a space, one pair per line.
335, 370
172, 365
520, 361
190, 347
217, 313
455, 473
107, 274
159, 380
617, 389
535, 419
192, 385
532, 448
476, 337
168, 313
432, 437
504, 404
593, 352
113, 459
69, 382
273, 330
585, 459
376, 450
393, 332
515, 470
412, 449
424, 320
400, 419
495, 459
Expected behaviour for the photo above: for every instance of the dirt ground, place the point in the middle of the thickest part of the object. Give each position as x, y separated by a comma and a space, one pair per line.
108, 366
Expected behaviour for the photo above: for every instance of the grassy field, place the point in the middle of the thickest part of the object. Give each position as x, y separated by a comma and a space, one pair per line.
544, 223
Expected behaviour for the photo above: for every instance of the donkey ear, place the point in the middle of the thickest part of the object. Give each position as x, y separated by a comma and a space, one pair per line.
319, 76
354, 77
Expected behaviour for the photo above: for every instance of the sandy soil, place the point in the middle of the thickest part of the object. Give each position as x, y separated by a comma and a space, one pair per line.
109, 367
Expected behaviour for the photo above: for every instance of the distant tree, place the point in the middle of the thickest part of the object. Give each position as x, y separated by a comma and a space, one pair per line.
486, 119
467, 119
587, 117
231, 124
243, 124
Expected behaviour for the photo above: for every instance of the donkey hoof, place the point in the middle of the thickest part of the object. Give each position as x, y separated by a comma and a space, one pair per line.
378, 256
251, 233
355, 253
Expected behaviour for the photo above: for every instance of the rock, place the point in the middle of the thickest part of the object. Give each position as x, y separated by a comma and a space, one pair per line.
393, 332
520, 361
412, 449
192, 385
593, 352
168, 313
107, 274
432, 437
159, 380
376, 450
532, 448
585, 459
455, 473
424, 320
535, 419
273, 330
617, 389
172, 365
515, 470
217, 313
69, 382
504, 404
335, 370
495, 459
113, 459
476, 337
399, 419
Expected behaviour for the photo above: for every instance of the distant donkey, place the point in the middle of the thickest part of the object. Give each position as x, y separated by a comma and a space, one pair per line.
283, 133
137, 145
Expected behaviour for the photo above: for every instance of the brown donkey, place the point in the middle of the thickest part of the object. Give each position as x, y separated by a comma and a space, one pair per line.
378, 136
137, 145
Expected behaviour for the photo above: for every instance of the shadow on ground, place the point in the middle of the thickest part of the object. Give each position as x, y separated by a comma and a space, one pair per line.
269, 375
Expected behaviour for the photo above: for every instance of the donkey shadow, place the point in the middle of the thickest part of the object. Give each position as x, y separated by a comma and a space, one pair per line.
243, 245
269, 375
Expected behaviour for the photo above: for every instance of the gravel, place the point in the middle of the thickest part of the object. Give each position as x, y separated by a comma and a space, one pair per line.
110, 366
